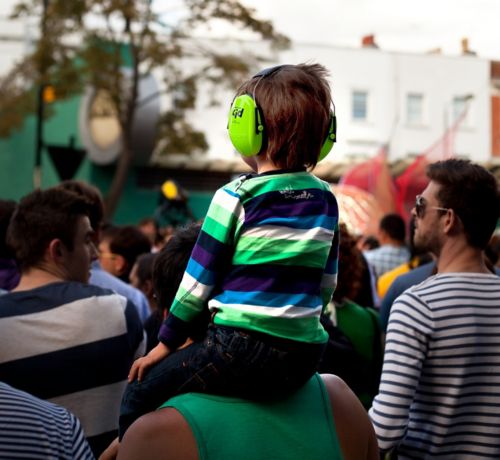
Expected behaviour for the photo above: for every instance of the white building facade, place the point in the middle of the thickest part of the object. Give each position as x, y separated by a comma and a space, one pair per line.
405, 101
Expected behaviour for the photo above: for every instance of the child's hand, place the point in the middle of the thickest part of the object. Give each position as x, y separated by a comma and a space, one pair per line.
141, 365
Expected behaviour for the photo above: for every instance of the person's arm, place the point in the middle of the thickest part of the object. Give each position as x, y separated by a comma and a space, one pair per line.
141, 365
405, 351
329, 280
163, 434
355, 432
209, 262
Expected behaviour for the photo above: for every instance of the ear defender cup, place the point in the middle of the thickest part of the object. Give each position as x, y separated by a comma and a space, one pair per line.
331, 137
245, 126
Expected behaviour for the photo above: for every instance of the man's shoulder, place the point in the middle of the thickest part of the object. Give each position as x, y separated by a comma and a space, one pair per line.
103, 279
54, 295
436, 285
414, 276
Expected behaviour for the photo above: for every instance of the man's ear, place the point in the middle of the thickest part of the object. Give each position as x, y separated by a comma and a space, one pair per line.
120, 264
452, 223
55, 250
147, 288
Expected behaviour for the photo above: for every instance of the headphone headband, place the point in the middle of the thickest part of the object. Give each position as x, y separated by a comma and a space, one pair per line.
269, 71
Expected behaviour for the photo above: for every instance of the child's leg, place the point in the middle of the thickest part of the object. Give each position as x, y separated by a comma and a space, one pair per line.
229, 362
191, 369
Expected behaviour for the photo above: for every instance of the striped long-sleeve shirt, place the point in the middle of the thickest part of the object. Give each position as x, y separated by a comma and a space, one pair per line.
31, 428
265, 260
72, 344
439, 395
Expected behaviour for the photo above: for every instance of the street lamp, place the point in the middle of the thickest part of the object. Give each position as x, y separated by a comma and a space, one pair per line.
37, 169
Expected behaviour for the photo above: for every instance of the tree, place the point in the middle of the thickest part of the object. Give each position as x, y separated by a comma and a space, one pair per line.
88, 42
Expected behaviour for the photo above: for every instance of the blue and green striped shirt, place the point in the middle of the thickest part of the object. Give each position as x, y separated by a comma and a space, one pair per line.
265, 260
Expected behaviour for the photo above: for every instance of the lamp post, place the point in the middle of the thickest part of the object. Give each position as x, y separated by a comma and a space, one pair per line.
37, 169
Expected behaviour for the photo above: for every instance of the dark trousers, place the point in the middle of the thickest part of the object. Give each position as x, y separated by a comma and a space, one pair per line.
228, 361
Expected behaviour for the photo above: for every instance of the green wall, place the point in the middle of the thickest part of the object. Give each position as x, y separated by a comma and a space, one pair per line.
17, 159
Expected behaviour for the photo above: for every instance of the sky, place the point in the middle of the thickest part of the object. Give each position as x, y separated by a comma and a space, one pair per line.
415, 26
399, 25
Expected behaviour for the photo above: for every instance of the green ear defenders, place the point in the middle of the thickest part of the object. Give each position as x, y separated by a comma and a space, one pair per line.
246, 127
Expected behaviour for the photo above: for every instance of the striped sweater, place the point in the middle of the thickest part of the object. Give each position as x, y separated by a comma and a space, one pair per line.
31, 428
265, 260
72, 344
439, 395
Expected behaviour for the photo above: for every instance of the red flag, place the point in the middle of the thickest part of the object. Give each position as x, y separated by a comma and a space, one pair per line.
374, 176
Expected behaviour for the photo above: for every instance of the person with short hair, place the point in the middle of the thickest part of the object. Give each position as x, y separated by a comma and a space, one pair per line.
265, 262
119, 249
98, 276
168, 269
392, 250
62, 339
440, 388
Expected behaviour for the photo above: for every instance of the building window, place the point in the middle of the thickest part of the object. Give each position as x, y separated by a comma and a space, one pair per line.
414, 109
460, 108
359, 105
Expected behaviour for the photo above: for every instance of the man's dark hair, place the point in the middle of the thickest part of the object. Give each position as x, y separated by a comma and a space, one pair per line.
145, 264
295, 103
171, 263
472, 192
92, 195
394, 226
42, 216
129, 242
7, 208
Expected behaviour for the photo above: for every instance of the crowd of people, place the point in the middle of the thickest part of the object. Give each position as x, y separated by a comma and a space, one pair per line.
269, 329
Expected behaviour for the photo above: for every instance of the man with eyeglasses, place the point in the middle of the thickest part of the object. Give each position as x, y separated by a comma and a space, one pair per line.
440, 387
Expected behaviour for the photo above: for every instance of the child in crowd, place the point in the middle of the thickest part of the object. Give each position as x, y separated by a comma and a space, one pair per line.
265, 262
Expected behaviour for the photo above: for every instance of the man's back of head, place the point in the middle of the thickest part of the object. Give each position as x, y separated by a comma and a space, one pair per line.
168, 270
171, 263
93, 197
128, 242
392, 227
50, 221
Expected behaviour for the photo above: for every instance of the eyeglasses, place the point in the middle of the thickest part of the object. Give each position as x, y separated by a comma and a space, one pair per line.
106, 255
421, 206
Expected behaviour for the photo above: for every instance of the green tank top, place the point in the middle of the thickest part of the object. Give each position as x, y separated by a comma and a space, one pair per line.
297, 428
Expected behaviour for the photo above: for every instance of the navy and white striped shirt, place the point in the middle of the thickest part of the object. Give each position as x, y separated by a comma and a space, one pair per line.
36, 429
73, 344
439, 395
